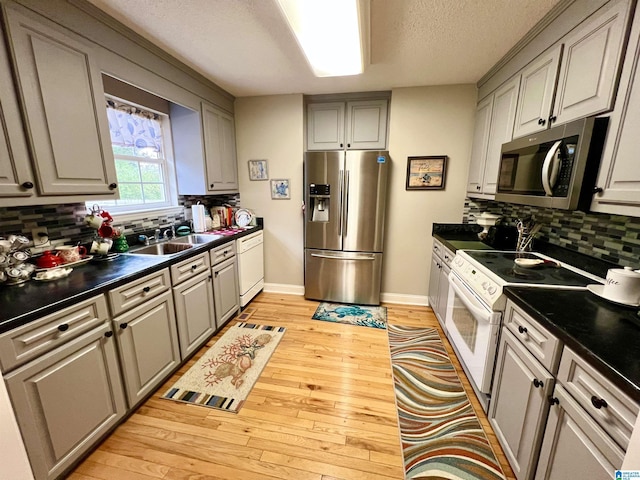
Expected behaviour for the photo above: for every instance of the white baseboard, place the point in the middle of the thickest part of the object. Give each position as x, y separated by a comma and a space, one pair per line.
284, 288
400, 298
404, 299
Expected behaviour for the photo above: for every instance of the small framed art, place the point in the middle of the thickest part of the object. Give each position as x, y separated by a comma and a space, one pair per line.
258, 170
426, 173
280, 189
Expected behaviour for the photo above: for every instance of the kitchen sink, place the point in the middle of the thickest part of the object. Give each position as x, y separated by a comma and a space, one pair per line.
169, 248
195, 239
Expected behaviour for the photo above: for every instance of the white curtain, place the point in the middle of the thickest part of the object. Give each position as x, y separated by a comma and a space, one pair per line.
132, 127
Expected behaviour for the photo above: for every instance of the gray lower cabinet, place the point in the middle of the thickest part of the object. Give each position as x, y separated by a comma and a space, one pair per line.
574, 446
195, 312
63, 104
225, 289
441, 259
519, 405
67, 399
148, 345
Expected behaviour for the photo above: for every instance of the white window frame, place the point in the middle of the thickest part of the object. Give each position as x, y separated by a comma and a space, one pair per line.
171, 206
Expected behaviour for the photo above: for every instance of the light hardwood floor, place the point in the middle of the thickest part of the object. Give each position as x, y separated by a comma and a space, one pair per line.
323, 409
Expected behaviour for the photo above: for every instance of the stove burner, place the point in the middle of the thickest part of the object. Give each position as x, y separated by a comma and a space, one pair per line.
521, 274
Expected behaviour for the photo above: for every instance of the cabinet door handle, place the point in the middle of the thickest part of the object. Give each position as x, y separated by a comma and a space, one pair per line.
216, 274
537, 383
598, 402
348, 145
108, 334
124, 325
63, 327
341, 145
27, 185
113, 186
597, 190
552, 118
541, 121
553, 401
211, 185
522, 329
146, 289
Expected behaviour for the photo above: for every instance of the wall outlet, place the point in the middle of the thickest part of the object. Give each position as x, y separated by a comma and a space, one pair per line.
40, 237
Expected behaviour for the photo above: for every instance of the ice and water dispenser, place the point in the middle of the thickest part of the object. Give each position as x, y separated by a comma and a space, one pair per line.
319, 202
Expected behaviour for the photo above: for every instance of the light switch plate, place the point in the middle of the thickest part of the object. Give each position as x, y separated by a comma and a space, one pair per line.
40, 237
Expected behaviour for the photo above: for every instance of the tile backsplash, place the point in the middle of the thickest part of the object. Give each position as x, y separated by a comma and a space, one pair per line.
65, 222
615, 238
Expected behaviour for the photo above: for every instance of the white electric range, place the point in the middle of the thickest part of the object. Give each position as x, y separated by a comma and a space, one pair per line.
477, 301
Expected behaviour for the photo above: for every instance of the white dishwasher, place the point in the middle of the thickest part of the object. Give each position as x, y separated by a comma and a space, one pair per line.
250, 266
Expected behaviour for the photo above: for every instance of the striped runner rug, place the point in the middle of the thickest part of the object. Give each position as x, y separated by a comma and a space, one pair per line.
223, 377
440, 433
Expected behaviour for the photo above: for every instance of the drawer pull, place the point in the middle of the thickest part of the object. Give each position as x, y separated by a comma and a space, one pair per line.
553, 401
225, 252
598, 402
522, 329
193, 267
108, 334
146, 289
63, 327
124, 325
537, 383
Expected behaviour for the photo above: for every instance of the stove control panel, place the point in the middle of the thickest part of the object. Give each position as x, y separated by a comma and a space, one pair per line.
482, 285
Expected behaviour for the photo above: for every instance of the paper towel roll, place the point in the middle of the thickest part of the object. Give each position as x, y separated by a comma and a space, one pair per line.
199, 222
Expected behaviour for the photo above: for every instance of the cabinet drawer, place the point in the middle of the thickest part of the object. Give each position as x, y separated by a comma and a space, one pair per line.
537, 339
589, 388
134, 293
447, 255
221, 253
189, 268
29, 341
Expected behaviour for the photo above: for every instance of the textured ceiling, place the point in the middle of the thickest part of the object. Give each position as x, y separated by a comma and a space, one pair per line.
246, 47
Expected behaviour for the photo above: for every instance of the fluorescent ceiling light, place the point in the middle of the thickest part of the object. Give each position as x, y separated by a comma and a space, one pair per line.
331, 34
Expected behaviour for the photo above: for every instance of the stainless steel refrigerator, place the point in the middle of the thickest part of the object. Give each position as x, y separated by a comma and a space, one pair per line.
345, 197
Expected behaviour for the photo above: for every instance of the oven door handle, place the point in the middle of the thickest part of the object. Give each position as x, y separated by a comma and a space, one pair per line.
479, 311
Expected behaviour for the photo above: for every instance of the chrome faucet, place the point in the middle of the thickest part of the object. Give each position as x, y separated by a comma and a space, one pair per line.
156, 235
169, 231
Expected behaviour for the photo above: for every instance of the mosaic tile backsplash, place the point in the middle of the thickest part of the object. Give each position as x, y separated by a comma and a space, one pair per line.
65, 223
615, 238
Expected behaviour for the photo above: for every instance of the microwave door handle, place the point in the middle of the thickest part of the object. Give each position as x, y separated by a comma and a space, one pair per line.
547, 166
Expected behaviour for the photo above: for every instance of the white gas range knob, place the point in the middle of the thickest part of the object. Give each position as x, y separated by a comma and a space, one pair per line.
492, 289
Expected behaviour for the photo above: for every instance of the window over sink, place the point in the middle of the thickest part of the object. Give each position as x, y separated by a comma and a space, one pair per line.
141, 143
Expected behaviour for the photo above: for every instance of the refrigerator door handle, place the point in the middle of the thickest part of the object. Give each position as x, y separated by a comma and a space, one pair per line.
342, 257
340, 194
346, 201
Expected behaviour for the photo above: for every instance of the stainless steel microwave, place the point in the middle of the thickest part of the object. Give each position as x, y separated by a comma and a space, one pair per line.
556, 168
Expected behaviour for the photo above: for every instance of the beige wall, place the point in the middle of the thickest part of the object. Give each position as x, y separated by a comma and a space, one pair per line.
270, 128
423, 121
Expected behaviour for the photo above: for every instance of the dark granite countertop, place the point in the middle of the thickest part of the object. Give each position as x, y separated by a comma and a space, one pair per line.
21, 304
606, 335
458, 236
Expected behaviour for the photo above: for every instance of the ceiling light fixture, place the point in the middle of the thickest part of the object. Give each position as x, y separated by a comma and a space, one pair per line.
333, 34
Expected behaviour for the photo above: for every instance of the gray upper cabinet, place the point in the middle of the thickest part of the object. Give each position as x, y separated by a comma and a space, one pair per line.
537, 87
353, 125
325, 126
205, 150
495, 117
619, 176
67, 399
590, 64
16, 178
63, 104
219, 149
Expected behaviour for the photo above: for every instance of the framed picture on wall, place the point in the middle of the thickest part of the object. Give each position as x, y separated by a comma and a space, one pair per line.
426, 173
280, 189
258, 170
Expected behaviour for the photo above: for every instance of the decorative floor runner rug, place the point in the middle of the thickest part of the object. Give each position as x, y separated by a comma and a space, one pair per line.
223, 377
246, 313
440, 433
375, 317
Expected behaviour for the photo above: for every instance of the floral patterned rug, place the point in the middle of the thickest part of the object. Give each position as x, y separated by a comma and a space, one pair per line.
365, 316
224, 376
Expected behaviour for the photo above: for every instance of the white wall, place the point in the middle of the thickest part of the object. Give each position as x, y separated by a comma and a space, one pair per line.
423, 121
271, 128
